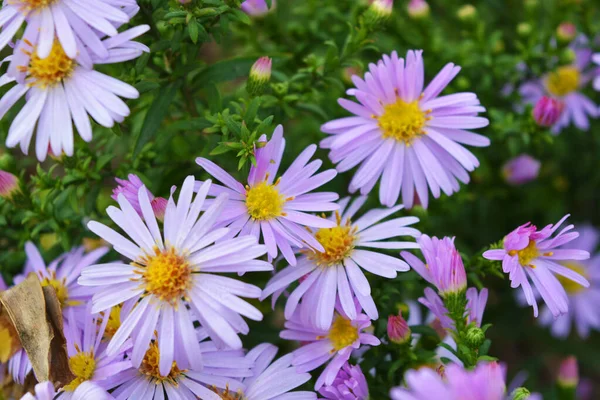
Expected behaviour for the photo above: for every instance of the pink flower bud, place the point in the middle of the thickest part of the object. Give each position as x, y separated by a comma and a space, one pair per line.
418, 9
397, 329
9, 184
129, 188
382, 7
547, 111
521, 169
256, 8
568, 373
566, 31
159, 206
260, 74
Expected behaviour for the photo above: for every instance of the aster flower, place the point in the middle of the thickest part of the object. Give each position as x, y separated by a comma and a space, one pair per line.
276, 208
335, 273
521, 170
486, 381
130, 188
406, 135
332, 346
529, 254
349, 384
583, 302
444, 267
85, 391
59, 90
216, 374
565, 84
174, 270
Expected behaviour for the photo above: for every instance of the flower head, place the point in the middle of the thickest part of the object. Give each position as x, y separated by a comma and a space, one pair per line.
568, 373
404, 134
534, 255
521, 169
547, 111
332, 346
9, 185
275, 208
173, 270
256, 8
418, 9
335, 272
397, 329
349, 384
259, 77
444, 267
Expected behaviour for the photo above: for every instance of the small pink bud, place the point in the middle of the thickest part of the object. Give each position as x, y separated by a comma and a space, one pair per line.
256, 8
547, 111
383, 7
397, 329
260, 74
521, 169
129, 188
159, 206
418, 9
566, 31
9, 185
568, 373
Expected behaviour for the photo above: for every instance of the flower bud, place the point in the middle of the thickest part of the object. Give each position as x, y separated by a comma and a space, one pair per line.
260, 74
9, 185
547, 111
566, 32
568, 373
524, 29
159, 206
256, 8
521, 170
474, 337
378, 12
397, 329
520, 393
418, 9
466, 13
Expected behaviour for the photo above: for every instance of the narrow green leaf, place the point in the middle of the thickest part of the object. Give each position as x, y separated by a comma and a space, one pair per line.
193, 31
252, 111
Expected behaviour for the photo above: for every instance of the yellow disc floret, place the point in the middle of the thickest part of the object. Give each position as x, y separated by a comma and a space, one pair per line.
403, 121
150, 366
570, 286
82, 366
342, 333
26, 6
563, 80
52, 69
264, 202
60, 286
114, 322
338, 243
167, 275
527, 254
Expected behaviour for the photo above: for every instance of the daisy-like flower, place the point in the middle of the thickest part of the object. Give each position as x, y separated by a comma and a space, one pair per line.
529, 254
333, 346
85, 391
219, 367
59, 90
335, 273
486, 381
408, 136
349, 384
583, 310
276, 208
174, 277
565, 84
74, 23
270, 380
130, 188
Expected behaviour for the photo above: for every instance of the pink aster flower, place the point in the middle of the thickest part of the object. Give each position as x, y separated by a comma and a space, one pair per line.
486, 381
60, 90
335, 274
583, 302
565, 84
521, 170
405, 133
173, 270
349, 384
532, 255
256, 8
130, 188
444, 267
332, 346
275, 208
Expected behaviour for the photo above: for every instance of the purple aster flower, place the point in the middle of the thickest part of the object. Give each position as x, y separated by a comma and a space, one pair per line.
332, 346
444, 267
59, 90
349, 384
565, 84
19, 366
335, 273
583, 311
404, 134
276, 208
529, 254
486, 381
256, 8
85, 391
173, 270
130, 188
521, 170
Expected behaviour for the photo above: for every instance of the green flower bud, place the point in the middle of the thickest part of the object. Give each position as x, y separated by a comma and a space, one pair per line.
260, 75
475, 337
466, 13
520, 394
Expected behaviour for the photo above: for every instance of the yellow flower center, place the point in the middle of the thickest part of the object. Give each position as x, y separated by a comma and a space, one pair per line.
403, 121
570, 286
26, 6
9, 340
150, 366
83, 366
62, 293
167, 275
264, 202
342, 333
114, 322
338, 243
52, 69
527, 254
563, 81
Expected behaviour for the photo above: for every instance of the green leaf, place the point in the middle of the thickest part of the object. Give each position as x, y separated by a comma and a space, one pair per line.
252, 111
269, 3
233, 126
220, 149
223, 71
156, 113
264, 125
193, 31
146, 86
242, 17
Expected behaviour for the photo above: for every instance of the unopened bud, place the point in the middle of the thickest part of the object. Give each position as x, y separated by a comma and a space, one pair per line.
568, 373
259, 77
524, 29
159, 206
378, 12
418, 9
475, 337
9, 185
521, 170
256, 8
567, 56
547, 111
520, 393
397, 329
466, 13
566, 32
